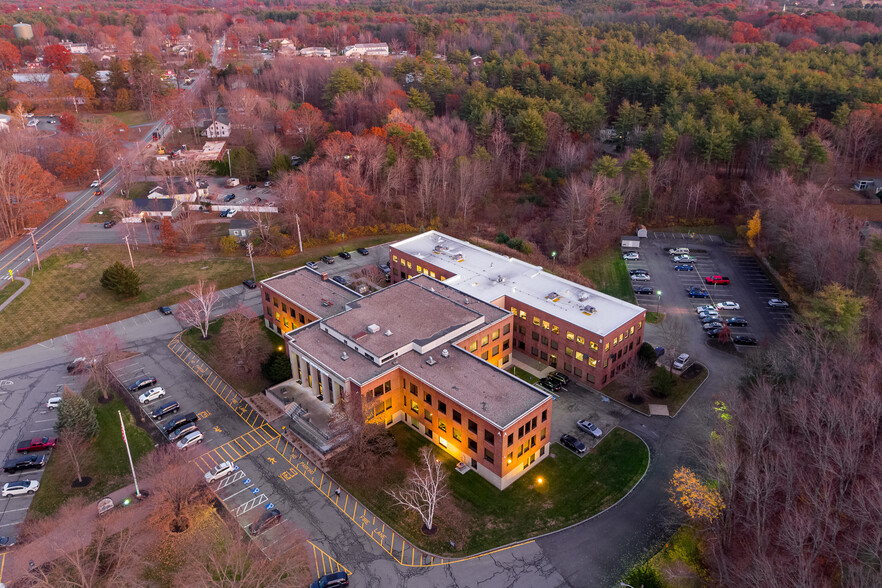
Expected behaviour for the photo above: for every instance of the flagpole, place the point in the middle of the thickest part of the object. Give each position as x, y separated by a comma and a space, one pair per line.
126, 441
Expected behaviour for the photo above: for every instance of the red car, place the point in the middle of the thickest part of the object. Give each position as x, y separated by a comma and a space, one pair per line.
36, 444
716, 280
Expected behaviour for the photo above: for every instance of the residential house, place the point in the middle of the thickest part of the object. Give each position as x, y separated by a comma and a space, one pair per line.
371, 49
315, 52
156, 207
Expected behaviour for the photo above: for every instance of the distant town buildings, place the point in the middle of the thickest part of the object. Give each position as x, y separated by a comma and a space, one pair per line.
76, 48
315, 52
371, 49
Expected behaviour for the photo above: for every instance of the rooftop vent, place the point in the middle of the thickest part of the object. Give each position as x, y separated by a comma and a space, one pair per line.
326, 302
499, 279
588, 309
583, 296
431, 361
553, 296
373, 329
445, 353
388, 333
484, 406
344, 356
458, 257
437, 249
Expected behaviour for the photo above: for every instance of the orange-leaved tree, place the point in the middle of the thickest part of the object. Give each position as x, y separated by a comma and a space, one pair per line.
75, 159
700, 502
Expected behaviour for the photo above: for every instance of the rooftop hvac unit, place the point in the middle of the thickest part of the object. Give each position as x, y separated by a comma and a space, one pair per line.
445, 353
552, 296
373, 329
431, 361
500, 279
388, 333
458, 257
588, 309
583, 296
344, 356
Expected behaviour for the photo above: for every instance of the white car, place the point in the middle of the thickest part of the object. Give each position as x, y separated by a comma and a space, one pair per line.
20, 487
95, 184
151, 395
191, 439
589, 428
631, 256
778, 303
640, 277
681, 360
53, 402
728, 305
705, 308
33, 123
684, 259
221, 470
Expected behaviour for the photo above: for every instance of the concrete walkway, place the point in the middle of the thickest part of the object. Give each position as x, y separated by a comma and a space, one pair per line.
6, 302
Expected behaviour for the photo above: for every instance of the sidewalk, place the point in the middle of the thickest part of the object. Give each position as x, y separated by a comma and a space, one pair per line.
74, 534
27, 283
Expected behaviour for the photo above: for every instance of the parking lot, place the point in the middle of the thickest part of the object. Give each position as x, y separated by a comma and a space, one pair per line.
749, 287
349, 268
259, 196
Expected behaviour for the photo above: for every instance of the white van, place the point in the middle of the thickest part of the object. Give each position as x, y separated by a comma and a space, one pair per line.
679, 251
681, 361
231, 182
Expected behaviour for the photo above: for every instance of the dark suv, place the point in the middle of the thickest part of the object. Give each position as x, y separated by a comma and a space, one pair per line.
25, 463
328, 259
176, 422
166, 409
142, 383
335, 580
182, 432
266, 520
562, 378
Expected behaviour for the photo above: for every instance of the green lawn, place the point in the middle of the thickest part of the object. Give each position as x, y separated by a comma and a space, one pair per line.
105, 462
139, 189
609, 274
99, 216
522, 374
247, 385
683, 390
132, 117
66, 295
655, 317
480, 517
9, 289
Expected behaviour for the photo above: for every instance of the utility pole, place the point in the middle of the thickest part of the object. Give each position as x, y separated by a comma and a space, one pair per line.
230, 163
299, 240
122, 426
132, 261
250, 249
34, 241
98, 173
147, 228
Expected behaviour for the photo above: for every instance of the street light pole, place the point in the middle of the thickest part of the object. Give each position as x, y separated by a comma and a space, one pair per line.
132, 261
250, 248
658, 304
299, 240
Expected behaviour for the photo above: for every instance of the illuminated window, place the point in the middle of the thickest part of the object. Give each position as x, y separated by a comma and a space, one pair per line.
442, 426
592, 345
640, 325
409, 266
568, 351
570, 336
395, 259
592, 362
432, 274
414, 407
606, 347
514, 310
523, 315
419, 269
546, 325
632, 330
496, 334
427, 415
580, 356
473, 346
484, 340
555, 329
457, 434
536, 320
580, 340
443, 278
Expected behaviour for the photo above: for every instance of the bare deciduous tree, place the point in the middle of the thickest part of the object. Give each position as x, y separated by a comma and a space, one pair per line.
197, 311
99, 347
425, 487
238, 335
74, 443
174, 484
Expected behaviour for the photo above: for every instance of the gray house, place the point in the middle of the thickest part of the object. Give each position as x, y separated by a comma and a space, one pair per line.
156, 207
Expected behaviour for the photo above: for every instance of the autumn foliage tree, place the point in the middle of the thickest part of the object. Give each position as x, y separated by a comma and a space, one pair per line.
10, 56
26, 190
57, 57
168, 237
700, 502
75, 159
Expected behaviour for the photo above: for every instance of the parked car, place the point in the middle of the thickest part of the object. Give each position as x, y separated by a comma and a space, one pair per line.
328, 259
142, 383
572, 443
165, 309
744, 340
697, 293
80, 364
681, 360
642, 290
589, 428
713, 333
728, 305
20, 487
249, 284
778, 303
109, 224
221, 470
631, 256
344, 255
708, 313
312, 265
229, 197
191, 439
684, 259
705, 308
716, 280
24, 463
363, 251
335, 580
678, 251
267, 519
267, 184
231, 213
151, 395
683, 268
182, 432
53, 402
251, 186
340, 280
187, 419
710, 319
640, 277
6, 542
636, 271
550, 384
36, 444
562, 378
164, 409
736, 321
713, 325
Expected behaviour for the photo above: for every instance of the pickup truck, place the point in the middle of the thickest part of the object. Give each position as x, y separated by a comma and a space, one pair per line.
716, 280
24, 463
36, 444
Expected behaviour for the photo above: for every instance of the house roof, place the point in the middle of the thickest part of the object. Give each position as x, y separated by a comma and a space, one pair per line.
154, 204
306, 288
242, 223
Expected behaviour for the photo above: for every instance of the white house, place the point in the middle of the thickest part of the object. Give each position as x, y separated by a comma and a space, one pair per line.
315, 52
217, 130
375, 49
5, 119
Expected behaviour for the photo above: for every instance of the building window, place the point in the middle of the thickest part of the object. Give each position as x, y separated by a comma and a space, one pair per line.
542, 435
414, 407
520, 431
395, 258
568, 352
488, 438
387, 386
580, 339
606, 362
473, 445
520, 449
413, 389
495, 350
640, 325
546, 325
534, 335
409, 266
457, 434
457, 418
488, 456
473, 426
275, 302
509, 457
378, 391
567, 367
534, 350
570, 336
580, 356
592, 345
442, 407
522, 330
427, 415
514, 311
388, 400
544, 340
301, 318
544, 415
553, 344
419, 269
577, 372
533, 441
267, 296
533, 423
505, 345
523, 315
510, 439
484, 340
442, 426
543, 355
555, 329
536, 321
484, 355
506, 329
632, 330
473, 346
428, 433
592, 362
284, 308
496, 334
428, 398
589, 378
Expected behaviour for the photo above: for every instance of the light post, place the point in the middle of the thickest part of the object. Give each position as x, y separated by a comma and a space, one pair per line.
658, 304
553, 258
250, 248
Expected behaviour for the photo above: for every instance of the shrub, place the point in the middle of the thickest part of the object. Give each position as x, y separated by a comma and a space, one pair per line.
646, 354
634, 398
121, 280
277, 367
228, 245
502, 238
646, 576
662, 383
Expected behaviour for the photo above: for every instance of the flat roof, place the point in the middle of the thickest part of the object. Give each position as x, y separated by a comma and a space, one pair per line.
403, 313
488, 276
491, 313
307, 289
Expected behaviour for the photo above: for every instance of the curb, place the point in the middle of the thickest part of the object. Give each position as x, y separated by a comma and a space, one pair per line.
15, 294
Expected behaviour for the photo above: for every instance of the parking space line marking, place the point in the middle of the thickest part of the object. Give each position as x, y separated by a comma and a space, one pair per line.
239, 443
2, 564
248, 487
